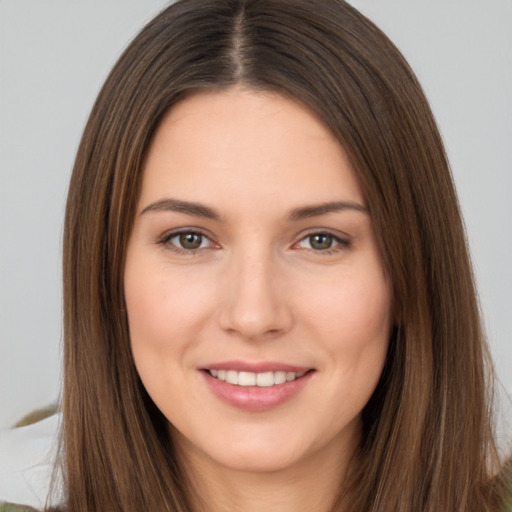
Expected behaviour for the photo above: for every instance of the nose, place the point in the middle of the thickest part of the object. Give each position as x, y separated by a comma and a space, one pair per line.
255, 304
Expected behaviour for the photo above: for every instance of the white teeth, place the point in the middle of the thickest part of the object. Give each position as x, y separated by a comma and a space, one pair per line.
264, 379
232, 377
246, 379
280, 377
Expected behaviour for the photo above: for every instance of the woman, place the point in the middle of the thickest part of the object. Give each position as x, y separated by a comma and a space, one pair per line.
268, 298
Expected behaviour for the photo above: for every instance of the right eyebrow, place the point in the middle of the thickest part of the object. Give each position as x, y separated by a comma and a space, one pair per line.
186, 207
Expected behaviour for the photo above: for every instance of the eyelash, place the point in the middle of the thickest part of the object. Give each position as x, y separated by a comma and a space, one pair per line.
166, 241
340, 244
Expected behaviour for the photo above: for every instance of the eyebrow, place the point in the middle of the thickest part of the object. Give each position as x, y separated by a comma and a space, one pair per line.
201, 210
187, 207
323, 208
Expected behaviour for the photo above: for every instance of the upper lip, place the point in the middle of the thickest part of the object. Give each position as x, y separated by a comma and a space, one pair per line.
256, 367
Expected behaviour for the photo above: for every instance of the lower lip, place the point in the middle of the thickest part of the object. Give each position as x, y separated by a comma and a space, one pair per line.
254, 398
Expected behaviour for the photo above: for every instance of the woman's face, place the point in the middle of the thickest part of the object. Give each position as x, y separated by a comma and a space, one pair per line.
258, 307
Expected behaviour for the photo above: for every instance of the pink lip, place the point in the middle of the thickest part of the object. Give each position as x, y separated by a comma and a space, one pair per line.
254, 398
245, 366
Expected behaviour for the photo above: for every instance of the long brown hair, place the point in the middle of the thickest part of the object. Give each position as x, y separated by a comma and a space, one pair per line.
427, 441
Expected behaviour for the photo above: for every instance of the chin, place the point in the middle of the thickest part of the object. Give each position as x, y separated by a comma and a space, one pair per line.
267, 449
260, 460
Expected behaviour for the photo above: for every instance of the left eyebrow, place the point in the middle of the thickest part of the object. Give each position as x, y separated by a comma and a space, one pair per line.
306, 212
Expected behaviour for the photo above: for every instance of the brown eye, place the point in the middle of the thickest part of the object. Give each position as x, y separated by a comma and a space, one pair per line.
190, 241
186, 242
320, 241
323, 242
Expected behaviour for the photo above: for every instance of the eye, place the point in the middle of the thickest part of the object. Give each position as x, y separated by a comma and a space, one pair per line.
189, 240
320, 241
186, 241
323, 242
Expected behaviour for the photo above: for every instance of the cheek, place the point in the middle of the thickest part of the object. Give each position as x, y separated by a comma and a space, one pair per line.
165, 316
351, 321
353, 312
162, 309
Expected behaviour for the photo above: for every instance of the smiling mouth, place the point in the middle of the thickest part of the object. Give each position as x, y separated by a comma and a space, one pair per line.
262, 380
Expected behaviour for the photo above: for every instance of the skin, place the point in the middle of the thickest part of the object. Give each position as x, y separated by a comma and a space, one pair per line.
259, 288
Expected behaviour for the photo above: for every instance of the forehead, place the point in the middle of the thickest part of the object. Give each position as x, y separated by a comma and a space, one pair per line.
247, 145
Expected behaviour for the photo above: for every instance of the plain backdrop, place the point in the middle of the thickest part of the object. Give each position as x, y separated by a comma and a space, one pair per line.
54, 56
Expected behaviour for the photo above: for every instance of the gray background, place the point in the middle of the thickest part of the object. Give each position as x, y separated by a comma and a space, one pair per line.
54, 56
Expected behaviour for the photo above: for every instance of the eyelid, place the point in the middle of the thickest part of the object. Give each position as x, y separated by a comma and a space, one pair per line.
343, 240
165, 239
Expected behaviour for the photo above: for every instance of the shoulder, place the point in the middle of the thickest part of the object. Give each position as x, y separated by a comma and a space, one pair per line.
11, 507
505, 479
27, 455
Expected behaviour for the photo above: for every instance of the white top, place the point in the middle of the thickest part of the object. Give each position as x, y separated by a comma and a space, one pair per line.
27, 455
